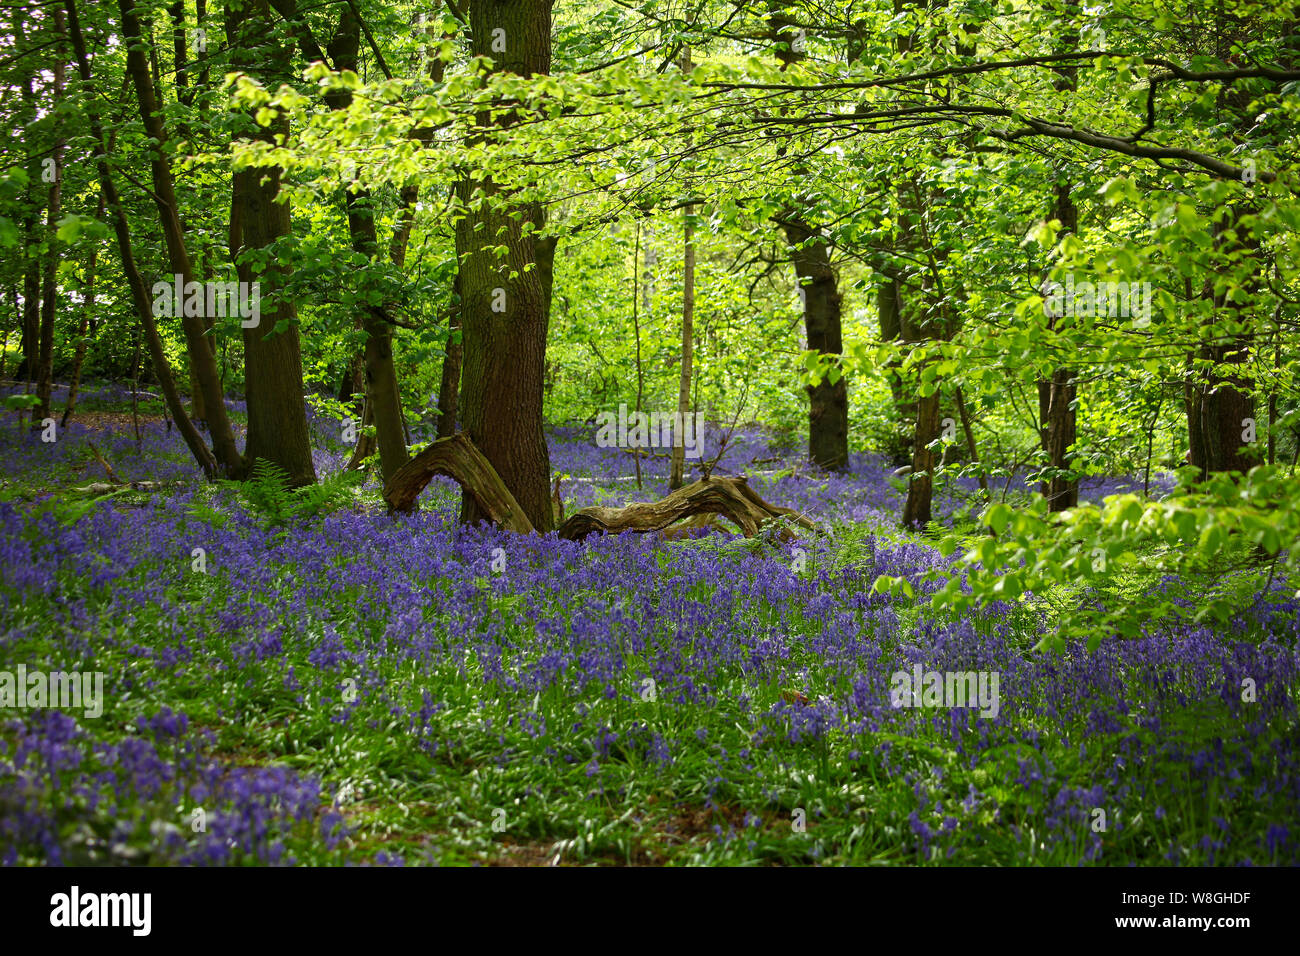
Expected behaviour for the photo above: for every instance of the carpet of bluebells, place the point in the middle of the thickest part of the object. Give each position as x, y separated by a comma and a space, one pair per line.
353, 689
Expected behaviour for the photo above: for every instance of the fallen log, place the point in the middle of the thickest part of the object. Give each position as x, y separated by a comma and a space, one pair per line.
731, 498
458, 459
100, 487
702, 501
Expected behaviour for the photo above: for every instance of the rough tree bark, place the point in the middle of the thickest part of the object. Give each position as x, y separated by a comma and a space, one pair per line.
503, 304
277, 413
732, 498
1220, 392
457, 458
828, 402
1057, 414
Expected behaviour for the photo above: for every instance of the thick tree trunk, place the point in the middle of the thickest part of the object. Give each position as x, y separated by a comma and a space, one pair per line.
916, 510
1221, 399
1220, 403
503, 302
277, 413
1057, 414
828, 409
828, 402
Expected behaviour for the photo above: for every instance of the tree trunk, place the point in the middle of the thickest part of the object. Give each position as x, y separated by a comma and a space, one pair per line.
202, 358
87, 309
828, 402
449, 388
889, 307
828, 410
732, 498
688, 354
352, 385
1221, 401
135, 282
1057, 415
50, 292
503, 304
29, 335
383, 396
277, 414
916, 510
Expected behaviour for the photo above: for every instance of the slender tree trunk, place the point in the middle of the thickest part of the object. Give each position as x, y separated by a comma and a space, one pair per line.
202, 358
449, 388
688, 354
87, 310
135, 282
964, 412
4, 340
889, 306
29, 338
636, 331
50, 292
1056, 397
352, 386
383, 395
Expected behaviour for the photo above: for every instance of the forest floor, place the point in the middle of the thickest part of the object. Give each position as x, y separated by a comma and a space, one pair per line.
300, 678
